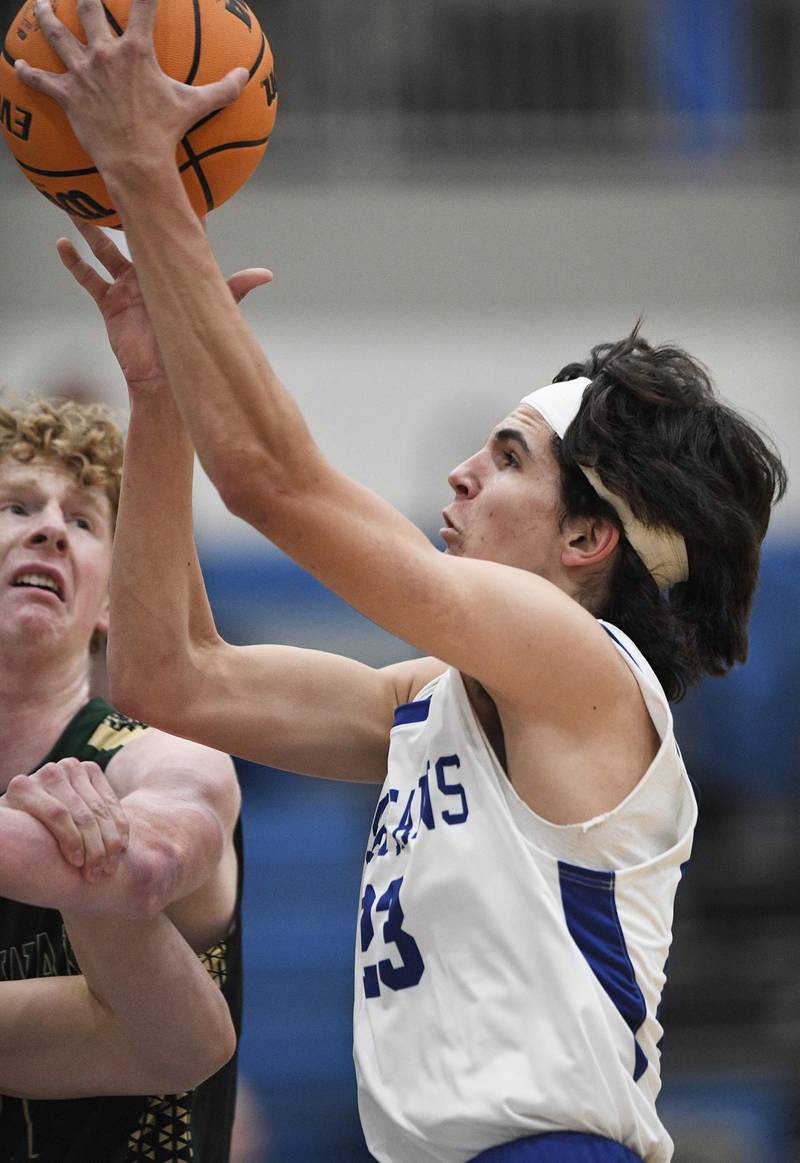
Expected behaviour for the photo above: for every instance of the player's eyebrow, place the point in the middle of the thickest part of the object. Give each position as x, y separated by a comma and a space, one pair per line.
20, 481
512, 434
80, 497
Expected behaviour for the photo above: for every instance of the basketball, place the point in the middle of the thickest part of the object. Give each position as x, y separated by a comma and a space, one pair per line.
197, 42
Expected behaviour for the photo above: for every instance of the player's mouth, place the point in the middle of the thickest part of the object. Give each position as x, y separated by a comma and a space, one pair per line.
448, 533
41, 579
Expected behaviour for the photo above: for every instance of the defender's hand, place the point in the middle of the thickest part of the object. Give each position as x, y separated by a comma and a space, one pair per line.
125, 111
122, 307
77, 805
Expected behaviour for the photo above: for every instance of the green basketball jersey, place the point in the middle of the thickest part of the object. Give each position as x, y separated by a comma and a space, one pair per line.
187, 1128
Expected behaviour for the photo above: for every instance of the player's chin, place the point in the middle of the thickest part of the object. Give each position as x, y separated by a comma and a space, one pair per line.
40, 620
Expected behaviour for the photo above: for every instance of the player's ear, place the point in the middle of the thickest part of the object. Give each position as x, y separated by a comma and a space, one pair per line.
101, 625
588, 541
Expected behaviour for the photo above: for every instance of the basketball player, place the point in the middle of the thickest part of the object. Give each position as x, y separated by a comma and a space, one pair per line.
601, 554
115, 1053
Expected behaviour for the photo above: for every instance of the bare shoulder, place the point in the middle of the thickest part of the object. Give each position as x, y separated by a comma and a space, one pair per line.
409, 677
591, 737
545, 650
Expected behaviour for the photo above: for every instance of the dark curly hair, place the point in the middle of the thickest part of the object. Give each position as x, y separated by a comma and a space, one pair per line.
653, 427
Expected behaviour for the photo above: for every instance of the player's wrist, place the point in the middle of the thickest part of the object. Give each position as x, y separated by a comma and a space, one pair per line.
137, 174
153, 388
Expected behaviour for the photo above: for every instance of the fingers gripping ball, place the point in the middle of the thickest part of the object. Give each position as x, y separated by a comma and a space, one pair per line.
197, 42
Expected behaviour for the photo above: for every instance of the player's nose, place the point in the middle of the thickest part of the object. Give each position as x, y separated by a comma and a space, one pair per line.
49, 528
464, 480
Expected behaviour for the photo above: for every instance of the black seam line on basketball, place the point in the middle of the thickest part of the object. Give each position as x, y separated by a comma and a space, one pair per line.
259, 58
194, 162
112, 20
198, 40
219, 148
251, 74
56, 173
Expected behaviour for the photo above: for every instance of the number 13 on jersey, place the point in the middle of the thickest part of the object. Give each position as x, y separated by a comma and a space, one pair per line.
409, 972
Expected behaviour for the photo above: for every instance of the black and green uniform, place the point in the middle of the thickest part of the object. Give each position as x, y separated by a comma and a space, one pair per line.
195, 1126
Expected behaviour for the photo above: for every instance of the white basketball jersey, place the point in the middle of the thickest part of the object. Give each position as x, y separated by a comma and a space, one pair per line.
508, 970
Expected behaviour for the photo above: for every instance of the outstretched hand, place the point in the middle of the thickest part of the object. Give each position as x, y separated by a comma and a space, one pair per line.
121, 304
75, 802
125, 111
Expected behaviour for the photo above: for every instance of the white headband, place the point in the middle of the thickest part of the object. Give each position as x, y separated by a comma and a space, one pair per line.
662, 550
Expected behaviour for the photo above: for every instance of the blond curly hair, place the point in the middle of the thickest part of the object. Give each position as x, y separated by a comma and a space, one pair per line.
85, 439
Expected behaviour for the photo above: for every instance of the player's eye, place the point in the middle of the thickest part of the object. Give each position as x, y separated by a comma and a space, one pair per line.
82, 523
17, 509
509, 458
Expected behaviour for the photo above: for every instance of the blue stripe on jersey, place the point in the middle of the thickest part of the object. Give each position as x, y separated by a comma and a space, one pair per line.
622, 646
412, 712
660, 1041
591, 914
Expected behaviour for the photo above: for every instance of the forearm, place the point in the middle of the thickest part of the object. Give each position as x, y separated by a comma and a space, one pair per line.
159, 606
32, 869
145, 1018
160, 1004
240, 417
250, 434
158, 867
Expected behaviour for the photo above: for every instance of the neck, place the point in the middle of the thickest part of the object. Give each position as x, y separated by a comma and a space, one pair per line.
38, 697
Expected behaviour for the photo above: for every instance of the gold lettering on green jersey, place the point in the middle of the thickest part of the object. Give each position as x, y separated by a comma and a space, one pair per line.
116, 731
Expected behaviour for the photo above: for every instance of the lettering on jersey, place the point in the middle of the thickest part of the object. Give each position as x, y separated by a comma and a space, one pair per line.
411, 968
26, 1111
451, 789
115, 731
71, 966
446, 801
35, 958
15, 119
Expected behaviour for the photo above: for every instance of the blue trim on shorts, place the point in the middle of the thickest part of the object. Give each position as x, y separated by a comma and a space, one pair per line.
559, 1147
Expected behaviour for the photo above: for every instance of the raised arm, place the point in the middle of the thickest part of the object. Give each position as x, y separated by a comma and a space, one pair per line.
554, 677
167, 663
246, 428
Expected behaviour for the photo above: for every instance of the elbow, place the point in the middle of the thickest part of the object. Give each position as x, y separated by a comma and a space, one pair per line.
130, 683
125, 693
201, 1056
172, 864
151, 692
249, 488
123, 679
222, 1046
141, 667
256, 487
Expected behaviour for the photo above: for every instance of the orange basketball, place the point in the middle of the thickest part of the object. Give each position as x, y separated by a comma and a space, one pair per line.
196, 41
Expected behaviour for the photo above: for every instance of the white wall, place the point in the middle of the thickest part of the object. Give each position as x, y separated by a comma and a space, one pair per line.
408, 319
